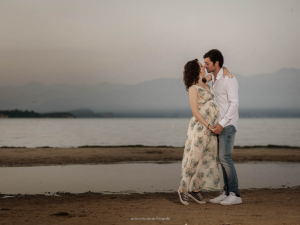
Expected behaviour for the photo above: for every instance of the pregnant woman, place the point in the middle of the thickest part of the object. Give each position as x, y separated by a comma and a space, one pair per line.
199, 164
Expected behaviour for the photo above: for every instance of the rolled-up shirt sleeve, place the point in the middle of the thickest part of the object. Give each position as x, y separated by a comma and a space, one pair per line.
232, 89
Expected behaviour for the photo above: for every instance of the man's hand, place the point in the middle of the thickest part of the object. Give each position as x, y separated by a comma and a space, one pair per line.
217, 129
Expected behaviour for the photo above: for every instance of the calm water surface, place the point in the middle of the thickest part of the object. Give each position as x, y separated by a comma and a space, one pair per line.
143, 131
131, 178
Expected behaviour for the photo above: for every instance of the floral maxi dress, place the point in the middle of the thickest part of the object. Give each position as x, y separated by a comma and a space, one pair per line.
199, 164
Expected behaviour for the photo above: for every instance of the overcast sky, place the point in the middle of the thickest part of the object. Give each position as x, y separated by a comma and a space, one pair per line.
126, 41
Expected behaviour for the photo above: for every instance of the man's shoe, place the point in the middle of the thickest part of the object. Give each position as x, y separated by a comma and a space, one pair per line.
196, 197
184, 197
232, 200
218, 199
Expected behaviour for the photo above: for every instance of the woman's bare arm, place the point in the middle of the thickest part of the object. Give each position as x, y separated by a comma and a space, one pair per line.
227, 73
208, 77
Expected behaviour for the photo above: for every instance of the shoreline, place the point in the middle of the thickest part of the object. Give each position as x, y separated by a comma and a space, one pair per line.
267, 205
156, 146
16, 157
31, 157
137, 162
129, 192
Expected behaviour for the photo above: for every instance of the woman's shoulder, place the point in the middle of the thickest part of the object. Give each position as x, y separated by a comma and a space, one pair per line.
193, 89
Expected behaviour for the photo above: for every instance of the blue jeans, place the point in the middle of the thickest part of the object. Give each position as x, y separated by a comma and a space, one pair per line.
226, 144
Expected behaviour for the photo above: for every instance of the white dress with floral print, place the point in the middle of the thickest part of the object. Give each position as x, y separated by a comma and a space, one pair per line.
199, 164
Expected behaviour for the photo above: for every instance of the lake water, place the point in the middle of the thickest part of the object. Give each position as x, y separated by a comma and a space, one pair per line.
132, 178
136, 131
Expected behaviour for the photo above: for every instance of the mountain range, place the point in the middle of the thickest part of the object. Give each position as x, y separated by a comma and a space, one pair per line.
276, 93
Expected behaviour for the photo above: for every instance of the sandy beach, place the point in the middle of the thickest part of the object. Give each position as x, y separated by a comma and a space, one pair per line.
94, 155
260, 206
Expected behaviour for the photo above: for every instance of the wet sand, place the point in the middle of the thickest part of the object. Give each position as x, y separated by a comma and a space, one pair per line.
262, 206
95, 155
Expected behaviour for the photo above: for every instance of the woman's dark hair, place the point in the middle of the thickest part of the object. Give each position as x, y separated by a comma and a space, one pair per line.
215, 55
191, 74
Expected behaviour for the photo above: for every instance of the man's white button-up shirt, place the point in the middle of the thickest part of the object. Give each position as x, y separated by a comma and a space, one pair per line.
227, 99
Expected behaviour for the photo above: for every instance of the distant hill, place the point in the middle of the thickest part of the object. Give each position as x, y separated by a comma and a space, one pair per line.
87, 113
260, 95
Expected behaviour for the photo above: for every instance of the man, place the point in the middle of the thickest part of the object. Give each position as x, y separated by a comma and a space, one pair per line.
226, 97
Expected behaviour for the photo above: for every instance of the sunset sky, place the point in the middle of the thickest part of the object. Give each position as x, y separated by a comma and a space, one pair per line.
131, 41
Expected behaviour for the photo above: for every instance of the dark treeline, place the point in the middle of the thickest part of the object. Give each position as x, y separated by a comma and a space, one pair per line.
87, 113
31, 114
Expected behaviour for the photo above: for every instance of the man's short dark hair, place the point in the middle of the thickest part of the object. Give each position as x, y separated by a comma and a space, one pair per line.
215, 55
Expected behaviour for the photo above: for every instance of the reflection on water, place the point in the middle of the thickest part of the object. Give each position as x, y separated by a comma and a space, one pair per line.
127, 178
